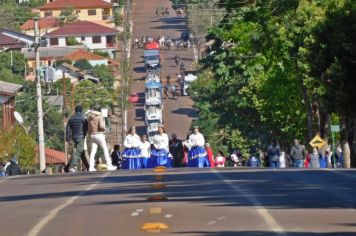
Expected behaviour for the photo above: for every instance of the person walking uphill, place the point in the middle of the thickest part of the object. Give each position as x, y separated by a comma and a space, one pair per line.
298, 154
97, 138
76, 130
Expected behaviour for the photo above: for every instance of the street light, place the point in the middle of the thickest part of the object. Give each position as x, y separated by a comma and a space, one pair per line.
21, 122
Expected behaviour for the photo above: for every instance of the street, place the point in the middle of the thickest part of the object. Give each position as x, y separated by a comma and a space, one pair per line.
177, 114
199, 202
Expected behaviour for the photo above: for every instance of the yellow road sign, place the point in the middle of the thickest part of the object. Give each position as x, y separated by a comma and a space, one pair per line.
317, 142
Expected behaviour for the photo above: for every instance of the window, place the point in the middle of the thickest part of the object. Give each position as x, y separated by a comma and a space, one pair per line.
77, 11
96, 39
53, 41
92, 12
82, 38
48, 14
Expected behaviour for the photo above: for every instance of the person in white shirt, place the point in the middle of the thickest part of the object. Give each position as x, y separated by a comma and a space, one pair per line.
160, 152
145, 151
197, 156
132, 152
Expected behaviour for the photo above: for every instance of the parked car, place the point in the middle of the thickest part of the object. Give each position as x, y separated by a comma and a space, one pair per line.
133, 98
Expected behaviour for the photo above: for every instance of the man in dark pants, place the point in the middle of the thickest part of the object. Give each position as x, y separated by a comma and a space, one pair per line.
76, 129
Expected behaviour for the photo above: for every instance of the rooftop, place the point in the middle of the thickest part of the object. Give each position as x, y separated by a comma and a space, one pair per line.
43, 23
77, 4
9, 88
54, 100
81, 28
82, 54
49, 52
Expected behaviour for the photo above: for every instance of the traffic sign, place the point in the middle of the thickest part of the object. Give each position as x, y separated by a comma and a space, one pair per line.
317, 142
335, 128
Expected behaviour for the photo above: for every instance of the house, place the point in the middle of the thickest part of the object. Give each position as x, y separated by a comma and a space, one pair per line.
75, 74
92, 35
45, 26
97, 11
92, 58
13, 40
8, 92
48, 55
56, 101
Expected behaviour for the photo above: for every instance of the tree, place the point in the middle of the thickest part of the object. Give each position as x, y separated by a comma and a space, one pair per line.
105, 75
13, 15
15, 142
68, 15
83, 64
71, 41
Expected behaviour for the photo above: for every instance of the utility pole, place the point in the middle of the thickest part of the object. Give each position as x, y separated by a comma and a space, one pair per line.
41, 146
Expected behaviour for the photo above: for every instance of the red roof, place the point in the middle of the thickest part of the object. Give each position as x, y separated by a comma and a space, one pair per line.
81, 28
53, 156
77, 4
43, 23
9, 42
82, 54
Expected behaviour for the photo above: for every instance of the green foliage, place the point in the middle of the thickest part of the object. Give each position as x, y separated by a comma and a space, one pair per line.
13, 15
71, 41
105, 75
117, 18
61, 61
12, 73
267, 59
67, 15
89, 94
26, 105
101, 53
15, 141
83, 64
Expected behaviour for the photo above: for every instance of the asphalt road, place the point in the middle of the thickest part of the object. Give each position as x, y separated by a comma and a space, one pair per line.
177, 114
200, 202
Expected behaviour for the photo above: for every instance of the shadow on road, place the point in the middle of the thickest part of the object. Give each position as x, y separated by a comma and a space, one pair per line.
272, 189
190, 112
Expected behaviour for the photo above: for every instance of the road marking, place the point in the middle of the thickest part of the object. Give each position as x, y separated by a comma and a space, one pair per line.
53, 213
168, 216
222, 218
262, 211
139, 210
156, 210
154, 227
134, 214
211, 222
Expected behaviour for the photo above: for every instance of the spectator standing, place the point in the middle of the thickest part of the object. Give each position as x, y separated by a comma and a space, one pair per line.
339, 157
253, 161
298, 154
220, 160
145, 148
176, 150
210, 155
76, 130
13, 168
235, 158
282, 160
2, 169
116, 156
273, 152
97, 138
315, 158
323, 161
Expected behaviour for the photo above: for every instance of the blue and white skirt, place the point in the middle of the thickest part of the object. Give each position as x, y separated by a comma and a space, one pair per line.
197, 157
160, 158
145, 162
132, 159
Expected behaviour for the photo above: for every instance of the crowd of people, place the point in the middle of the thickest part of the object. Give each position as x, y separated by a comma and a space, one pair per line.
139, 152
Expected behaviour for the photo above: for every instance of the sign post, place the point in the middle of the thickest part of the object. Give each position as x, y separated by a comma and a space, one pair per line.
334, 129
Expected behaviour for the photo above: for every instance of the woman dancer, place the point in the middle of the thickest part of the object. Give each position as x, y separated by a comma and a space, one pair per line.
145, 151
160, 153
132, 152
197, 156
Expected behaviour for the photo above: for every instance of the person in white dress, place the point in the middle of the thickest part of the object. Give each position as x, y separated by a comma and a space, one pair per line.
197, 156
160, 152
132, 151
